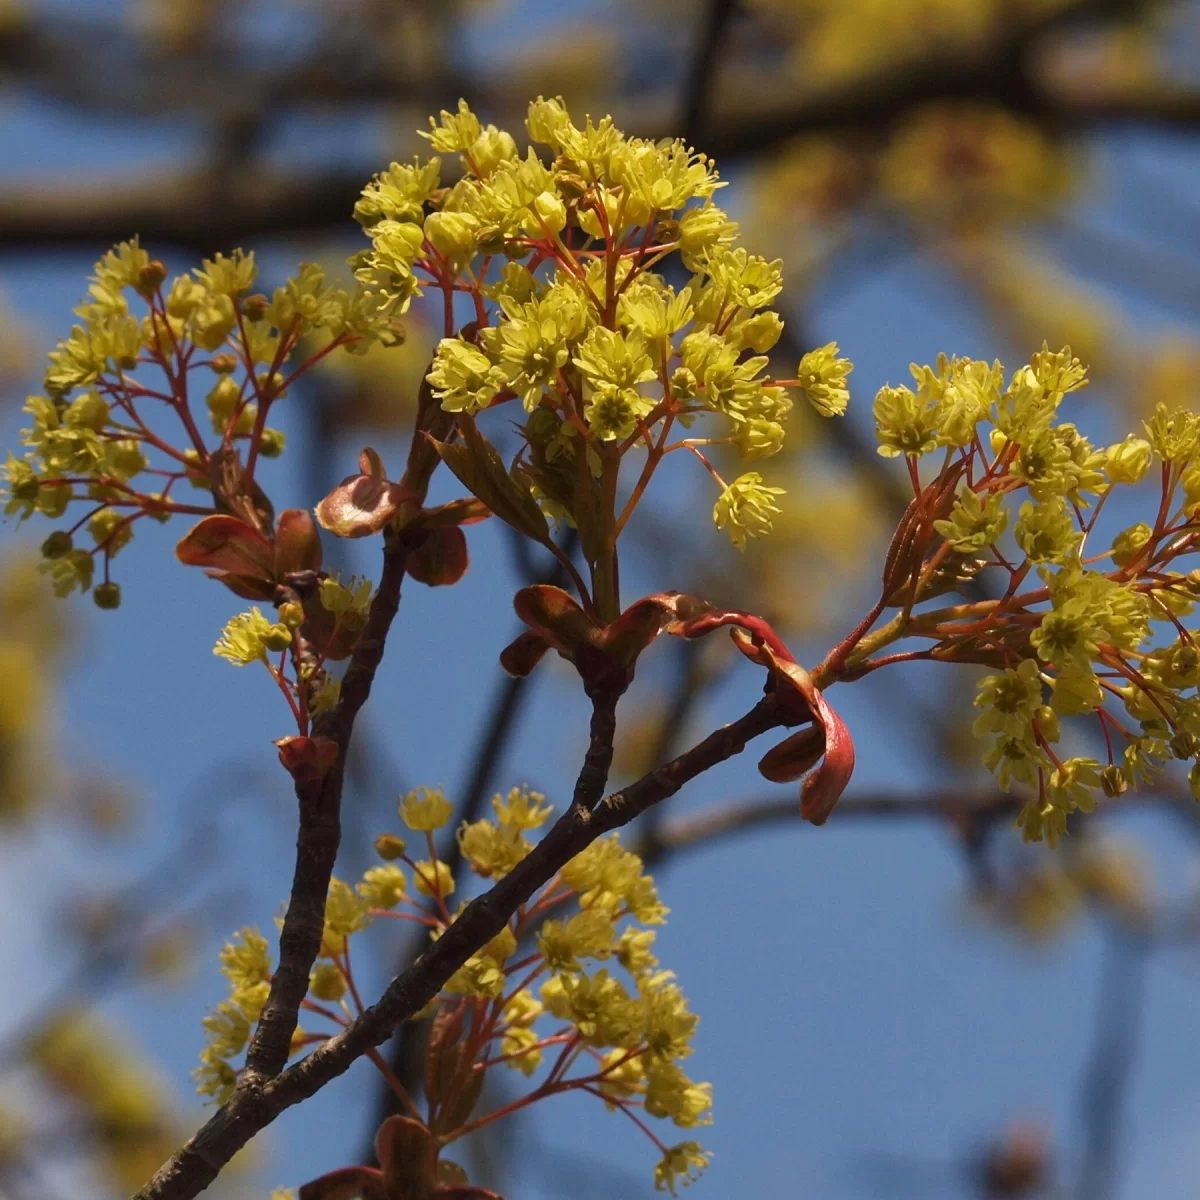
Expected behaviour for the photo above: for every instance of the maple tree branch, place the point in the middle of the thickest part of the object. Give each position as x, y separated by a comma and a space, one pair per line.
250, 1110
319, 835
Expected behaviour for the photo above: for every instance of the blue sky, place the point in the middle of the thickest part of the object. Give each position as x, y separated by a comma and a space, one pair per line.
852, 1009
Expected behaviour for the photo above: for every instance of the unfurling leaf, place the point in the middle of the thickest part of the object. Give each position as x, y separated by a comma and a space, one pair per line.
362, 505
369, 463
523, 653
799, 701
793, 757
604, 655
480, 469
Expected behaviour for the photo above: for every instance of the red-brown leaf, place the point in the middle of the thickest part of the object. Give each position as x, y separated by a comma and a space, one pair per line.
793, 757
224, 543
245, 586
362, 505
297, 543
524, 653
552, 613
407, 1154
347, 1183
441, 559
644, 620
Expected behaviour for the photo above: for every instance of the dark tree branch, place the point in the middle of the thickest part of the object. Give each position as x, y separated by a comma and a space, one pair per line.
181, 209
320, 834
199, 1162
702, 71
1114, 1050
504, 712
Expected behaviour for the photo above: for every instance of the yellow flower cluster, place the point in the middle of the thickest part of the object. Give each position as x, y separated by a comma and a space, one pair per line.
100, 424
591, 998
1078, 643
603, 353
246, 964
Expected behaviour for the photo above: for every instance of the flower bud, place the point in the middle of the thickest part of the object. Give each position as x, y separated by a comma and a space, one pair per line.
1129, 543
222, 400
107, 595
551, 211
327, 982
223, 364
272, 444
761, 331
270, 383
254, 308
389, 847
452, 234
684, 384
291, 614
1048, 723
1128, 461
89, 411
161, 515
1190, 480
151, 277
1183, 745
490, 239
57, 545
998, 441
1112, 780
667, 229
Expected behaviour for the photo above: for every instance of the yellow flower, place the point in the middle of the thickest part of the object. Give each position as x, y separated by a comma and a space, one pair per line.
433, 880
822, 375
249, 636
746, 506
426, 809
